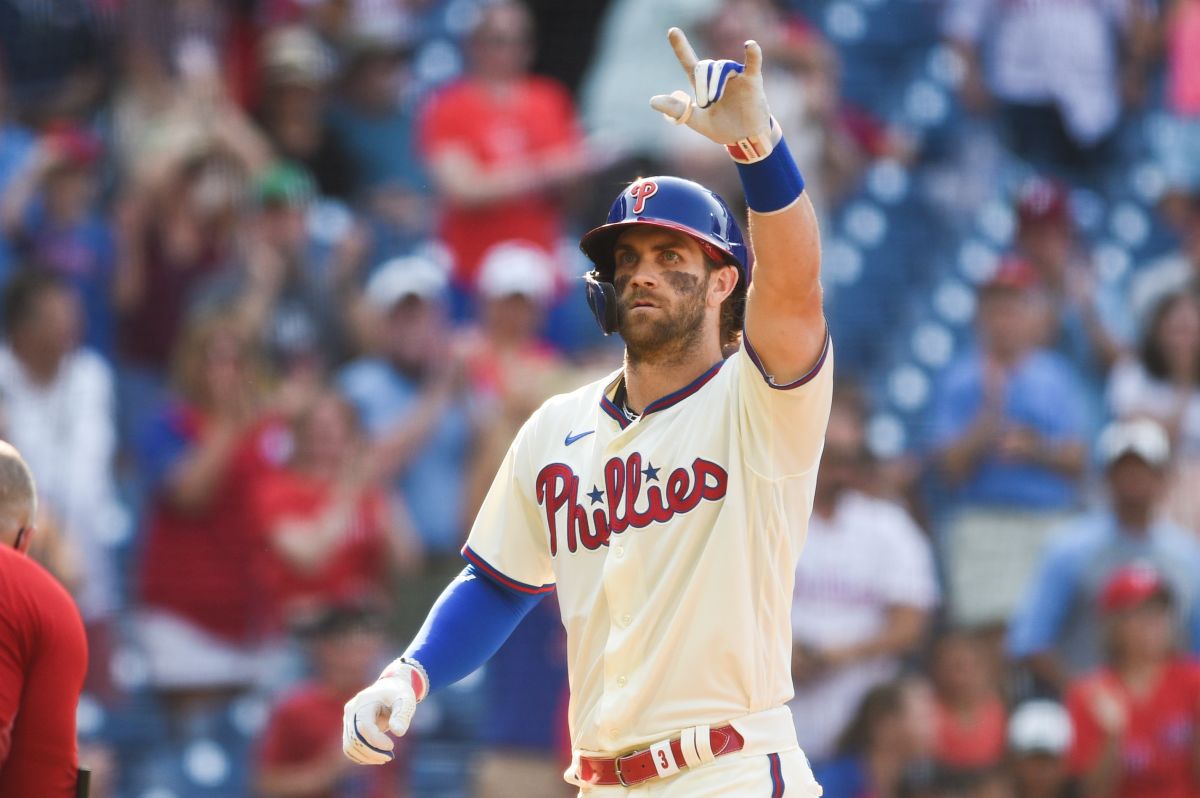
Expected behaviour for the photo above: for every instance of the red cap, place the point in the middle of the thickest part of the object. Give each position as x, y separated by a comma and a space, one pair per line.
1043, 201
76, 146
1013, 273
1130, 586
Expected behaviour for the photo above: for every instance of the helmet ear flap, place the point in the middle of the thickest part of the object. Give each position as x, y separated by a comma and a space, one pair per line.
602, 299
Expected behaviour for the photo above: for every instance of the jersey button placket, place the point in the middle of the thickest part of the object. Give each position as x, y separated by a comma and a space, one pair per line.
617, 573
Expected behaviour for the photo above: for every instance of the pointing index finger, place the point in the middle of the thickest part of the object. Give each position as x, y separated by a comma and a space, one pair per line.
683, 51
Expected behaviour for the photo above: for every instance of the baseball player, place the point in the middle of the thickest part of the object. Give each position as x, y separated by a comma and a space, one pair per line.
667, 503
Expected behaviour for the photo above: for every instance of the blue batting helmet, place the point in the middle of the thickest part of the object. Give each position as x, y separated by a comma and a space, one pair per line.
668, 202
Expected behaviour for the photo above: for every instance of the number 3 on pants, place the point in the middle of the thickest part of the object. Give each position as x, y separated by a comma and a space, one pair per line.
664, 760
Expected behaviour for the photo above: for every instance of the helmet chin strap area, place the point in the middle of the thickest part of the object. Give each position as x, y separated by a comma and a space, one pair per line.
602, 299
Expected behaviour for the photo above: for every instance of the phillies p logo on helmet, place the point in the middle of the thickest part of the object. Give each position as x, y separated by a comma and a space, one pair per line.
642, 191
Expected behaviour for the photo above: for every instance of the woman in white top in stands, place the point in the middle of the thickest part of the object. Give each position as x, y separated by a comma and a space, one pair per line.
1163, 382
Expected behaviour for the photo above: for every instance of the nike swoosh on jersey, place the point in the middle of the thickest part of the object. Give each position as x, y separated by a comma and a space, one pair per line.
572, 438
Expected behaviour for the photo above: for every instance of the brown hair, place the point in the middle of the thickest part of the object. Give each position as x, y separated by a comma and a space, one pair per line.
191, 350
1152, 355
880, 702
20, 300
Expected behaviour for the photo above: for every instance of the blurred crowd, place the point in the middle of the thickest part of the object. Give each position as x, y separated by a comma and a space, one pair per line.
282, 278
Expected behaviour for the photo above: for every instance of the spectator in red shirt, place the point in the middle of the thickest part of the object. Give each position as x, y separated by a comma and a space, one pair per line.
301, 751
43, 653
498, 143
203, 613
332, 534
1135, 719
969, 715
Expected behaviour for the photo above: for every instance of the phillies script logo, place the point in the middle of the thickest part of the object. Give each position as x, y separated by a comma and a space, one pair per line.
642, 191
619, 504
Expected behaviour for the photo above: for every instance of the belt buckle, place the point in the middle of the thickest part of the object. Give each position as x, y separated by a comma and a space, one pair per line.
620, 775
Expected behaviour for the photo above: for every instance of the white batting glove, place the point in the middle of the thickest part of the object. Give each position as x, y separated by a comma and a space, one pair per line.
386, 706
730, 104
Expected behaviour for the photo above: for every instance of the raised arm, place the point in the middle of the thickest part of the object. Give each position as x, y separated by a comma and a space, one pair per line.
784, 316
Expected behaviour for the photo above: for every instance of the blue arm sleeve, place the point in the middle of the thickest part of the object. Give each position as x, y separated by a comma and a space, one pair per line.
468, 624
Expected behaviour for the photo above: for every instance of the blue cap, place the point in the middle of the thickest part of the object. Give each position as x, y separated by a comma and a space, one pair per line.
675, 204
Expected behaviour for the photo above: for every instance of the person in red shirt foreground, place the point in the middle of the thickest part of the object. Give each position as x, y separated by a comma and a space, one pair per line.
301, 753
202, 621
43, 653
332, 534
1135, 719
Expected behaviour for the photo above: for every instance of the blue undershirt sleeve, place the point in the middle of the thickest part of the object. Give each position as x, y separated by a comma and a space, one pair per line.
467, 625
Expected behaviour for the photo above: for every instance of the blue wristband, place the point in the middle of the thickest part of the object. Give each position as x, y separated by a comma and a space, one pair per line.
773, 183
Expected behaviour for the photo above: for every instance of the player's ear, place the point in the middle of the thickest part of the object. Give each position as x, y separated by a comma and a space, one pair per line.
722, 283
24, 538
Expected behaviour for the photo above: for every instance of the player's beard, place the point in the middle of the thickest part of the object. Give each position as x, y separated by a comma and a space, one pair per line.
668, 335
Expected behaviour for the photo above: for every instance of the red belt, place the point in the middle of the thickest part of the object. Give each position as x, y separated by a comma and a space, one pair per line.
639, 766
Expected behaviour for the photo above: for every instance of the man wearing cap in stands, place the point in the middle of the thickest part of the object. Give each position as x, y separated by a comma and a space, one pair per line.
1058, 629
411, 401
1039, 737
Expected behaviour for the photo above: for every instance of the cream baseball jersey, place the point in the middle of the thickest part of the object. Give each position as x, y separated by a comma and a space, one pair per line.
672, 541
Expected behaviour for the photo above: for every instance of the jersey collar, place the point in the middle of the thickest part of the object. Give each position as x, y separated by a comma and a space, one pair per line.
662, 403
